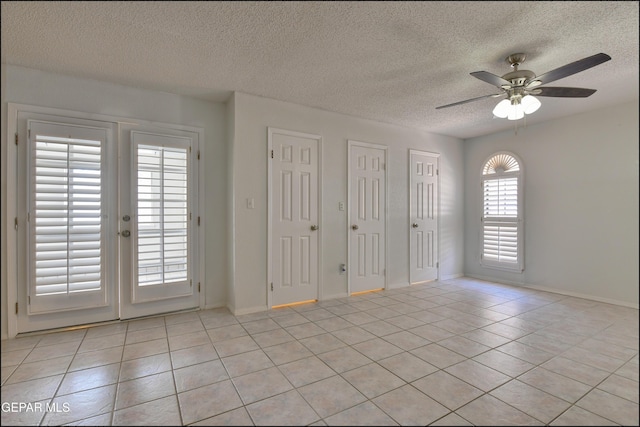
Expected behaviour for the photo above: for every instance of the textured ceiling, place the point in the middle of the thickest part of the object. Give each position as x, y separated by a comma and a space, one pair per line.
392, 62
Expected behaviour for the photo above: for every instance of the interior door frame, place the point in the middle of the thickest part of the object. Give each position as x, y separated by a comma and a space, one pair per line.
270, 132
13, 109
351, 143
411, 195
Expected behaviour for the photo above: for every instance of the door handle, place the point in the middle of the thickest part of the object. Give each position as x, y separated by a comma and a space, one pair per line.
354, 227
125, 233
414, 225
314, 227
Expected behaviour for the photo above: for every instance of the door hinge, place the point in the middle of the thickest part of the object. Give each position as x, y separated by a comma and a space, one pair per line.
437, 265
271, 286
190, 215
16, 308
198, 154
198, 286
29, 299
272, 154
190, 282
437, 171
16, 138
198, 221
15, 223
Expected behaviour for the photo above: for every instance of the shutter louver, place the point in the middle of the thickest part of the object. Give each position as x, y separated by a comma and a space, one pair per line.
500, 242
501, 197
66, 215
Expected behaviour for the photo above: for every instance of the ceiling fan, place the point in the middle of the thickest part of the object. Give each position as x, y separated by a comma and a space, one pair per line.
519, 86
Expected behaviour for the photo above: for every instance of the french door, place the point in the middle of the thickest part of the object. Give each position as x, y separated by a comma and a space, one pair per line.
104, 222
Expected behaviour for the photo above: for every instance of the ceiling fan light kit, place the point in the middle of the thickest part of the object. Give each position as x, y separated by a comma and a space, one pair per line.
519, 86
516, 107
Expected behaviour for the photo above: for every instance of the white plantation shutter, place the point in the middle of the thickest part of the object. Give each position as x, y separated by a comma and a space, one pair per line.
501, 197
500, 242
162, 215
162, 170
66, 227
501, 245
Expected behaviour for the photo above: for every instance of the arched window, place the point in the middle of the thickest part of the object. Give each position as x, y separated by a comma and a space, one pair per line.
502, 213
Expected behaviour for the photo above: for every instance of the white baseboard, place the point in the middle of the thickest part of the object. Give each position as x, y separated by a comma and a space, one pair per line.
248, 310
398, 285
334, 296
451, 276
557, 291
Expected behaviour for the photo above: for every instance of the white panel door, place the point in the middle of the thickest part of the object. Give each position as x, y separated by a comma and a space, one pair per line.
294, 216
157, 238
367, 212
423, 216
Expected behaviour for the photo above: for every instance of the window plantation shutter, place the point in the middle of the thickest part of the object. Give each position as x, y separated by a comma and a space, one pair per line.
162, 172
66, 232
501, 198
162, 215
501, 216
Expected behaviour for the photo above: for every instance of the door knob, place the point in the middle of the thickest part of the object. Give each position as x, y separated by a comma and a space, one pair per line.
126, 218
126, 233
314, 227
354, 227
414, 225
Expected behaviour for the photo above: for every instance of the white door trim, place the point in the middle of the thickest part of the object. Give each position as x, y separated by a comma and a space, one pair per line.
13, 109
411, 195
351, 143
270, 132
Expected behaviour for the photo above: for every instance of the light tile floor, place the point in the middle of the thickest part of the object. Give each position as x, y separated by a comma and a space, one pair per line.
456, 352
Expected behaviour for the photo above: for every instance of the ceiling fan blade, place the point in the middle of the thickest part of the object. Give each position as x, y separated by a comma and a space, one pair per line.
572, 68
486, 76
564, 92
470, 100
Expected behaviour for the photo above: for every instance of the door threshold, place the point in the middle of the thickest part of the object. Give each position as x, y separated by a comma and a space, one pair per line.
93, 325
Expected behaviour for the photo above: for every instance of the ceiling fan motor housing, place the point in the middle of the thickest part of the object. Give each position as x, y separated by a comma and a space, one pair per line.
519, 77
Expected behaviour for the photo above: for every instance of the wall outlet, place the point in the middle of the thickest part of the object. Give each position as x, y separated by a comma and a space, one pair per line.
340, 206
343, 268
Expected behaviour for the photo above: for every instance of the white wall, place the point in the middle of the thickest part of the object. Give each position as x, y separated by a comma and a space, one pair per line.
33, 87
253, 115
581, 204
